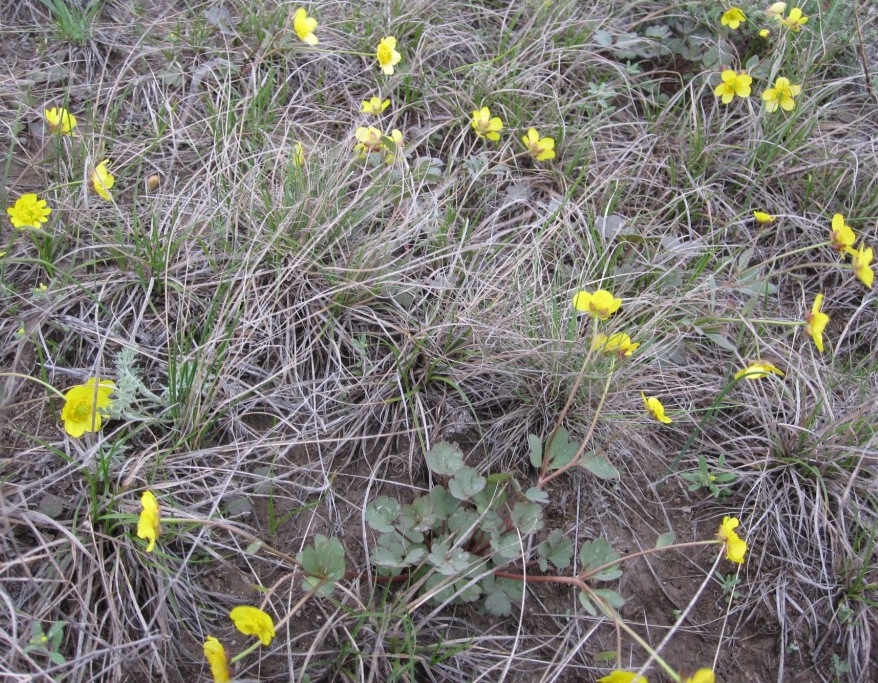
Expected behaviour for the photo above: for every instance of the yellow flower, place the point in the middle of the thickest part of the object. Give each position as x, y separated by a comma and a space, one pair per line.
218, 660
702, 675
776, 10
28, 212
485, 125
764, 33
85, 405
735, 547
618, 343
102, 180
816, 322
149, 526
843, 235
542, 149
41, 288
298, 154
60, 120
252, 621
369, 140
782, 94
387, 55
374, 106
734, 83
758, 370
733, 18
795, 20
762, 217
862, 264
304, 26
655, 408
600, 305
619, 676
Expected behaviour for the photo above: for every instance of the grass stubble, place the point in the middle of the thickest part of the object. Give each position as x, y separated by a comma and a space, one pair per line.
307, 332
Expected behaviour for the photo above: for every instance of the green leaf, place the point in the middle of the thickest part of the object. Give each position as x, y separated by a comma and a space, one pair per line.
666, 539
492, 497
382, 512
587, 604
323, 562
449, 560
599, 466
463, 521
498, 604
57, 658
537, 495
605, 656
611, 597
444, 458
527, 518
253, 548
557, 549
466, 483
596, 553
506, 546
418, 515
562, 450
443, 503
536, 450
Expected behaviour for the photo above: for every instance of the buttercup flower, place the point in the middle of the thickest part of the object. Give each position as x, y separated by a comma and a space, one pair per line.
843, 236
60, 120
542, 149
252, 621
85, 405
862, 264
304, 26
387, 55
655, 408
762, 217
816, 322
733, 84
733, 18
369, 140
764, 33
618, 343
735, 547
149, 526
795, 20
28, 212
102, 180
758, 370
485, 125
782, 94
218, 660
776, 10
600, 305
619, 676
702, 675
374, 106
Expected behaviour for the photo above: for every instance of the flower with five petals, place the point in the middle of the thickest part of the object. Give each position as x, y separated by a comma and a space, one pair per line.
733, 83
542, 149
60, 120
85, 405
485, 125
374, 106
655, 408
843, 236
387, 55
733, 18
782, 95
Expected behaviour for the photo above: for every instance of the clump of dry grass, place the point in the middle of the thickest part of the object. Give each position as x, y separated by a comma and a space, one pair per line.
305, 334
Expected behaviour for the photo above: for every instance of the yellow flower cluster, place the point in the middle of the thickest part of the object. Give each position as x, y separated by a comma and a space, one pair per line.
783, 94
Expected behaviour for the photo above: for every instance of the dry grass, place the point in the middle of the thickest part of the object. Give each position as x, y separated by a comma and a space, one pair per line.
303, 335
